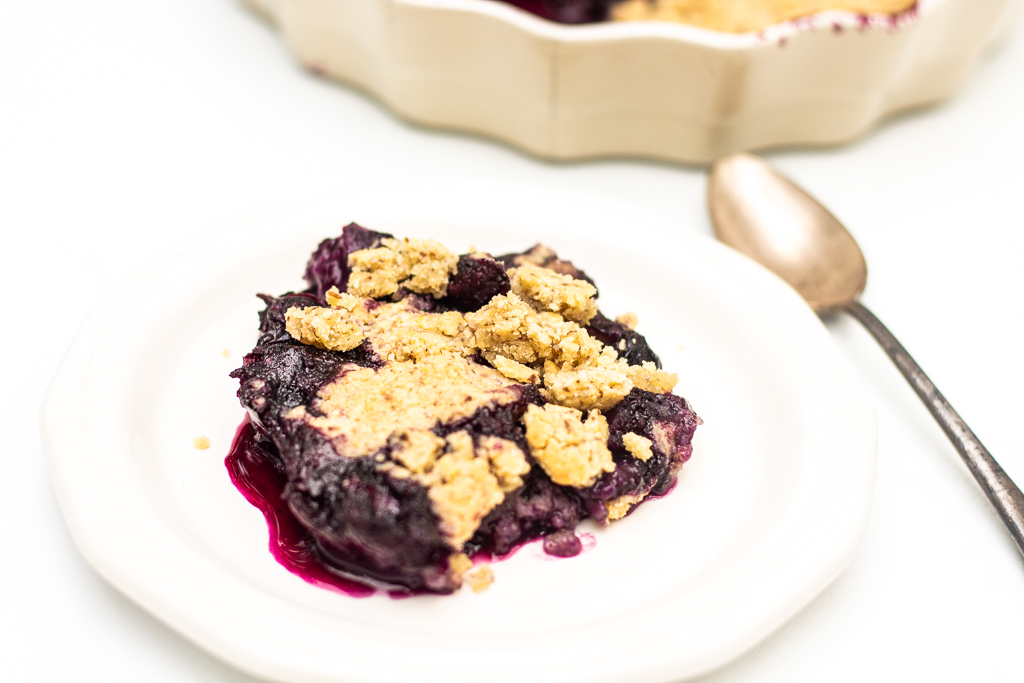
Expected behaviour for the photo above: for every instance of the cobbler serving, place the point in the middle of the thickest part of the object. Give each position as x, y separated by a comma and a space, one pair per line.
420, 409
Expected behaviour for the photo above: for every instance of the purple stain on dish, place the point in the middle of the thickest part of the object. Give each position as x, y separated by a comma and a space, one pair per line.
258, 475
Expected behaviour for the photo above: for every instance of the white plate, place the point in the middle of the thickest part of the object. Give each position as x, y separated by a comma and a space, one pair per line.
766, 514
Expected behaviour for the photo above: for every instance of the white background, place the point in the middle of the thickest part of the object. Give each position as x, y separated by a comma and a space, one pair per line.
128, 125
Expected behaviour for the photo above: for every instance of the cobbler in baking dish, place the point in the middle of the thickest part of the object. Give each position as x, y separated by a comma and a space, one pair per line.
414, 410
733, 16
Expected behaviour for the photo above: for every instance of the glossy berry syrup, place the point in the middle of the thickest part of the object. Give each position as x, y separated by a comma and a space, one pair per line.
256, 472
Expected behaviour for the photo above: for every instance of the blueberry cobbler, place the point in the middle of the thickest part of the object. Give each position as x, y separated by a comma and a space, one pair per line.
733, 16
415, 410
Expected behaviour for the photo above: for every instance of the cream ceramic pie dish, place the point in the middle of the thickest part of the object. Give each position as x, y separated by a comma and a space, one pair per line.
651, 89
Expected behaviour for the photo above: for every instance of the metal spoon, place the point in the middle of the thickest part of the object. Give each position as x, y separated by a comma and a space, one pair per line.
762, 214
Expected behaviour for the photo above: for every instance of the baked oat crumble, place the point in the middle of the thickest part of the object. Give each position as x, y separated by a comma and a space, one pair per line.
620, 507
638, 446
492, 386
324, 328
422, 266
480, 578
741, 16
548, 291
571, 451
630, 320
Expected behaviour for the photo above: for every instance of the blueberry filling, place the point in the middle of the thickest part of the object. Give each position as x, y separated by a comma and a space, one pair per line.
567, 11
365, 518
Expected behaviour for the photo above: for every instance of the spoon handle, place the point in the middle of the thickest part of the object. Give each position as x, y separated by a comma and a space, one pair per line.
1000, 489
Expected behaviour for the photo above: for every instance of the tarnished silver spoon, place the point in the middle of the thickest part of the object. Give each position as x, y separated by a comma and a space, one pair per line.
762, 214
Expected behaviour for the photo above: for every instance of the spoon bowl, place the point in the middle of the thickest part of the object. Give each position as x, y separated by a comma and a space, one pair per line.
767, 217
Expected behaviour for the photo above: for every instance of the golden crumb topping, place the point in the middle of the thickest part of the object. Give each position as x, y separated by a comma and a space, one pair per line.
648, 377
375, 272
740, 16
462, 489
618, 507
362, 407
602, 381
399, 332
548, 291
638, 446
571, 451
423, 266
513, 370
534, 334
587, 388
344, 300
480, 578
508, 326
324, 328
201, 443
459, 563
415, 449
508, 463
630, 320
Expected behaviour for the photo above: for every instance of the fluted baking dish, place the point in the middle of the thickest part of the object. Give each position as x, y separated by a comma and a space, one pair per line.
650, 89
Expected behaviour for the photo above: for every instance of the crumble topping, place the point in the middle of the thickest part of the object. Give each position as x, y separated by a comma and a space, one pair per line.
510, 327
603, 381
324, 328
343, 300
587, 388
618, 508
571, 451
399, 332
513, 370
362, 407
459, 563
508, 462
546, 290
744, 16
480, 578
201, 443
630, 320
462, 489
523, 345
648, 377
415, 449
422, 266
534, 334
638, 446
538, 255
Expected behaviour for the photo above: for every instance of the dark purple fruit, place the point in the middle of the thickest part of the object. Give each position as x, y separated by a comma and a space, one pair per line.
328, 267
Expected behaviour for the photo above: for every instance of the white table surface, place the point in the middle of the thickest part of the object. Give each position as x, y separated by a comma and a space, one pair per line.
126, 126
